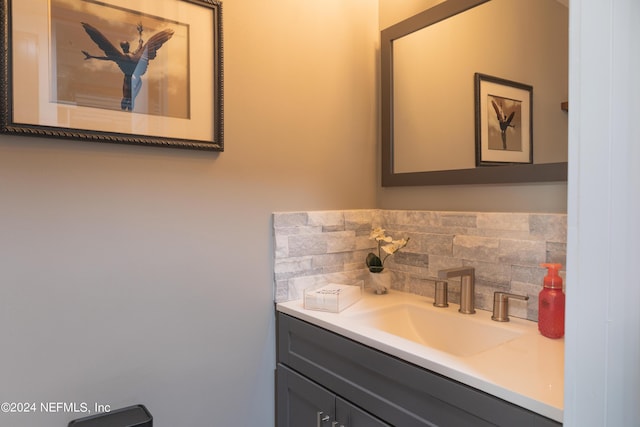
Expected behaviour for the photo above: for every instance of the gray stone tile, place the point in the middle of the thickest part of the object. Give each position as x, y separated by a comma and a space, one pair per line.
352, 266
476, 248
364, 242
281, 246
290, 231
556, 253
458, 219
419, 286
329, 269
532, 275
293, 265
437, 244
553, 227
522, 252
332, 259
289, 219
312, 244
410, 258
410, 220
392, 217
360, 220
361, 232
332, 228
508, 234
410, 270
340, 241
326, 219
295, 274
422, 218
497, 273
529, 289
504, 221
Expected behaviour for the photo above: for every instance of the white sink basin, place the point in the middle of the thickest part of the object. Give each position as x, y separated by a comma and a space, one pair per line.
443, 329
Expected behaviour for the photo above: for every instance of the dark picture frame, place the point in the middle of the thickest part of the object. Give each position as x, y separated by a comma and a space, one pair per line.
109, 71
504, 121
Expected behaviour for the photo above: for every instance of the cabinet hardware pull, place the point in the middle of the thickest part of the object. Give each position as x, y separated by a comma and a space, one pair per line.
321, 418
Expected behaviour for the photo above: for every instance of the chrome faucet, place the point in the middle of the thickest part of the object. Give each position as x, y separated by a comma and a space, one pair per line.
467, 286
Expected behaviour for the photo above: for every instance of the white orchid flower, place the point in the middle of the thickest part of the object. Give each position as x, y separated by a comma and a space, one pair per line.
385, 243
377, 233
395, 246
390, 249
401, 243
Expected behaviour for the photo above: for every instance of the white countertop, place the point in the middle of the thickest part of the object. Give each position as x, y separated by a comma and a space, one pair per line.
527, 371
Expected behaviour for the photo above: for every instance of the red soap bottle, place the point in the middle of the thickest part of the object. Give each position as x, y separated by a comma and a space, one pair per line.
551, 304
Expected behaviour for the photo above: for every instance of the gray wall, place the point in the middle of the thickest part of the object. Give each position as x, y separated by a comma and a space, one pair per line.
144, 275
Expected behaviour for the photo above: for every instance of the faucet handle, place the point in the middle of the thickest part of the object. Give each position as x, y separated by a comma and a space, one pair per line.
441, 298
501, 305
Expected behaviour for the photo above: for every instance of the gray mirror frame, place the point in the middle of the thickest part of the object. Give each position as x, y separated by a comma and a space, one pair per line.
542, 172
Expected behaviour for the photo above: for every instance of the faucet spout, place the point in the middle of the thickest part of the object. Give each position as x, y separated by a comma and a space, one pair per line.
467, 286
448, 273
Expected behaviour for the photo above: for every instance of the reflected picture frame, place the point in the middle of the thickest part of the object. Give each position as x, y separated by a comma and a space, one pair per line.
148, 73
503, 121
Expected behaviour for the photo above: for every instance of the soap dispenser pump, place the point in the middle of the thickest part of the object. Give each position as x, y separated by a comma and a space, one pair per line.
551, 304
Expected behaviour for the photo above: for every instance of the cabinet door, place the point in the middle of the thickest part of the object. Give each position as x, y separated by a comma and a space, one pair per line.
348, 415
301, 402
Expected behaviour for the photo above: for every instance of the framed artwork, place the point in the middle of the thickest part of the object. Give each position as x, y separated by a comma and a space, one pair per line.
504, 122
147, 73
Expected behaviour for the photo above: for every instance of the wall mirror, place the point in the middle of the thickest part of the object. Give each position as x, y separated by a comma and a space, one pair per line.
429, 62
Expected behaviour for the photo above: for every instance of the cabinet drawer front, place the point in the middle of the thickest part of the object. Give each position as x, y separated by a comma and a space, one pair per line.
393, 390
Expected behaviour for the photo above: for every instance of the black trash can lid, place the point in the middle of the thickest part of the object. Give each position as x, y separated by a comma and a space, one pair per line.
131, 416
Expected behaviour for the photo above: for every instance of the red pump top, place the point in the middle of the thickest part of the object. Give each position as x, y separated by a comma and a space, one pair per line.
552, 280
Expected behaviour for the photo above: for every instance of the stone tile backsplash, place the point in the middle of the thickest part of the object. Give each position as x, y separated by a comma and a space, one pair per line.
504, 248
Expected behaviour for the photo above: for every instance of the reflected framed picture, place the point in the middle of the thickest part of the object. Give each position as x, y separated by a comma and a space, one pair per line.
148, 73
504, 121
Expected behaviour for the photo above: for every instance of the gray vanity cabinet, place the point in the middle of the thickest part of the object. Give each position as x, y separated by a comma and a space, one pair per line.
358, 386
301, 402
348, 415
